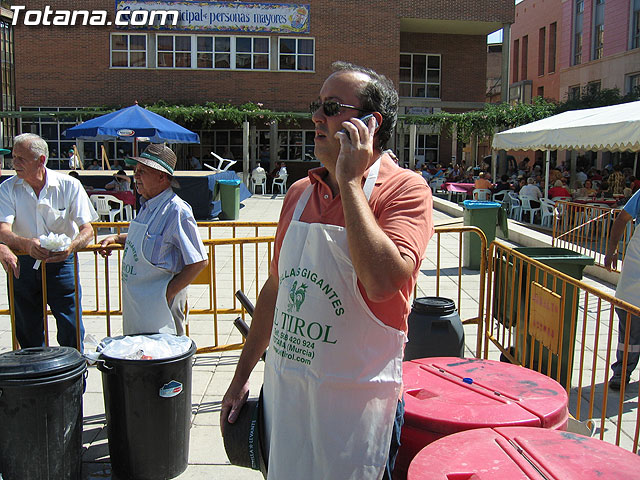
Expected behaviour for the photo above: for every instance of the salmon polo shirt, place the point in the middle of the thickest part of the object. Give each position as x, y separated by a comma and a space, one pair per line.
402, 204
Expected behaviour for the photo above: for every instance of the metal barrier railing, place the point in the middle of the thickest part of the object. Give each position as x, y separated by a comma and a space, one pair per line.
586, 229
441, 260
543, 319
242, 252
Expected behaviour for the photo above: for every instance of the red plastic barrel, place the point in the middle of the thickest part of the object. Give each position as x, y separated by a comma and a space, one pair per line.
522, 453
446, 395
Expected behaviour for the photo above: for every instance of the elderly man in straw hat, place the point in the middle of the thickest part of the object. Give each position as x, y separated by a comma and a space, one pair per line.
163, 249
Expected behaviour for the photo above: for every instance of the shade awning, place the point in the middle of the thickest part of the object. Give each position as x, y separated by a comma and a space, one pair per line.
615, 129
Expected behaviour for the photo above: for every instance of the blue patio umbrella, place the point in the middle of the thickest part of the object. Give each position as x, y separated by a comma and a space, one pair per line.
130, 123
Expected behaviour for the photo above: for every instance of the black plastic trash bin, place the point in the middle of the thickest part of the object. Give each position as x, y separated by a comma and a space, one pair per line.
511, 295
435, 329
41, 413
229, 199
148, 410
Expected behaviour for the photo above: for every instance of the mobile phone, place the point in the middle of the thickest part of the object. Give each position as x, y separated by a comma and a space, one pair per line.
364, 119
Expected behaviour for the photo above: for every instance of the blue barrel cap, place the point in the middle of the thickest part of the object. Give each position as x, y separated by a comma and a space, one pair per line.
230, 181
476, 204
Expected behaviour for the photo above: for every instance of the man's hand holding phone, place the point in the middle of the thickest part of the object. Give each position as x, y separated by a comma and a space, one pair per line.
356, 152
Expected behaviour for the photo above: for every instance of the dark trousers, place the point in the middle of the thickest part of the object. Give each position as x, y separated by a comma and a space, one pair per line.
634, 344
395, 440
61, 299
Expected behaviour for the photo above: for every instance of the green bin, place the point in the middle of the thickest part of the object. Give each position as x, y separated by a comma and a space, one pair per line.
508, 280
481, 214
230, 199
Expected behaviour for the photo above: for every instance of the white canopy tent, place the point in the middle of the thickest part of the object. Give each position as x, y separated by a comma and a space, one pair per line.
615, 129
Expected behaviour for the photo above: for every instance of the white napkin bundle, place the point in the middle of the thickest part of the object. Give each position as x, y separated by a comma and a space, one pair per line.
54, 242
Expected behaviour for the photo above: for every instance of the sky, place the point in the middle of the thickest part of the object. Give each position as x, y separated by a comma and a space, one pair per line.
496, 37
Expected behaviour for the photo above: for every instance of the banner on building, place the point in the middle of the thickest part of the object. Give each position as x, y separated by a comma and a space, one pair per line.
223, 16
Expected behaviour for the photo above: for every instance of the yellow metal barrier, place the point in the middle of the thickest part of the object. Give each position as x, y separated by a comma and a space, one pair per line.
585, 229
548, 321
240, 254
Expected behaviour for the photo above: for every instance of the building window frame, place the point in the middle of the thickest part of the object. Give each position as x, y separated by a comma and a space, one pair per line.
516, 60
127, 51
296, 54
598, 30
525, 58
573, 92
427, 148
420, 79
553, 34
178, 55
634, 27
542, 50
576, 47
632, 83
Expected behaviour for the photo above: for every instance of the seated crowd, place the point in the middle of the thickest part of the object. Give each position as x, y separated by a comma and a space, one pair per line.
528, 180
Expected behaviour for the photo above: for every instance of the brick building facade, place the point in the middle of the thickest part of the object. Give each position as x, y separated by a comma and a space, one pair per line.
434, 51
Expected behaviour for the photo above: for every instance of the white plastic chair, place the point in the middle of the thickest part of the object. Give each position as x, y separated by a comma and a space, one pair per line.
501, 197
515, 206
436, 183
481, 194
259, 179
529, 207
221, 163
281, 182
102, 204
547, 211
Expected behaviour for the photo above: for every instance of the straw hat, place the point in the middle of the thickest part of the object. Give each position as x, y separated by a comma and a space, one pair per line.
156, 155
243, 440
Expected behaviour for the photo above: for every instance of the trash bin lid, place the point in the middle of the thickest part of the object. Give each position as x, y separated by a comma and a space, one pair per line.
38, 362
159, 346
475, 204
555, 255
434, 305
510, 453
229, 181
450, 394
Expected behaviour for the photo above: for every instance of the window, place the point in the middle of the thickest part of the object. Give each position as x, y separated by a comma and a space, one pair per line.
427, 148
598, 42
633, 83
252, 53
174, 51
51, 128
593, 87
635, 25
295, 144
553, 29
573, 92
598, 30
296, 54
516, 60
419, 75
128, 50
7, 72
542, 33
577, 44
540, 92
525, 57
577, 32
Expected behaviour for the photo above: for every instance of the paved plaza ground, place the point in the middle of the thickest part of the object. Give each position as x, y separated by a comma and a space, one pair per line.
213, 372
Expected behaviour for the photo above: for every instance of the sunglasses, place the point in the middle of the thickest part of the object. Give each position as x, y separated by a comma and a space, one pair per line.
331, 107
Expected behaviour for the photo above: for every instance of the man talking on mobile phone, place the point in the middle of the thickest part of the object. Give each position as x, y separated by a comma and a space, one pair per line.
334, 309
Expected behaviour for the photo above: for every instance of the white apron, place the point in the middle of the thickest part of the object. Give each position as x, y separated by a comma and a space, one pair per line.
627, 288
144, 288
334, 371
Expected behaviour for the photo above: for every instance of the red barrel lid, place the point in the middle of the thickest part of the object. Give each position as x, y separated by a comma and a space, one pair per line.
519, 453
450, 394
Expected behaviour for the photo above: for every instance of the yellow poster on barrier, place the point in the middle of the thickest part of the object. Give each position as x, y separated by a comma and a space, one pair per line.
545, 318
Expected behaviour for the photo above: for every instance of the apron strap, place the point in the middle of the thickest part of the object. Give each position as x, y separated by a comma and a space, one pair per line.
369, 183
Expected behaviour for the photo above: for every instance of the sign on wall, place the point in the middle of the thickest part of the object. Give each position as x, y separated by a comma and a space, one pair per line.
223, 16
